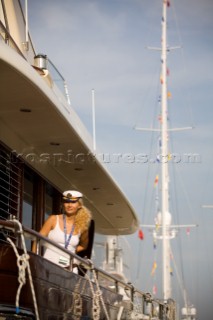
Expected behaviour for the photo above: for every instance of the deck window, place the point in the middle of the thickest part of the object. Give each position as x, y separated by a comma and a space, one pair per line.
24, 193
28, 199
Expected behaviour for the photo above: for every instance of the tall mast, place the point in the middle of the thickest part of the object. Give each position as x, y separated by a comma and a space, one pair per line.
163, 229
164, 217
166, 221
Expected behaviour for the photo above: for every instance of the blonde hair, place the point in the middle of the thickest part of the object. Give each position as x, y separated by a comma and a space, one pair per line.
83, 218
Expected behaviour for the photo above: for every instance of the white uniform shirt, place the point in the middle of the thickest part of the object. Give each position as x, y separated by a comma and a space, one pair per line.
54, 254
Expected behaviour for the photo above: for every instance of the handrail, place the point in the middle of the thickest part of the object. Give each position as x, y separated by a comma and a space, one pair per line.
8, 38
65, 88
148, 303
33, 235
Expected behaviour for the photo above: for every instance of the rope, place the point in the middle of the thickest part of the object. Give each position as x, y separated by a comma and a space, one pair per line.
23, 264
77, 308
136, 311
99, 293
96, 305
97, 297
77, 305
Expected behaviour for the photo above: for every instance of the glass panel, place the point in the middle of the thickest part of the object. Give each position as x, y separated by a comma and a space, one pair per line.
2, 18
28, 200
27, 213
49, 191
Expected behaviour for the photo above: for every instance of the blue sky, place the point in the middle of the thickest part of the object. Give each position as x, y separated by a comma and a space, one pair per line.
102, 45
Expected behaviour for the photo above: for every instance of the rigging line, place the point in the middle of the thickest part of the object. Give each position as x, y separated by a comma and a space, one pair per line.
204, 189
209, 266
185, 194
154, 278
147, 94
176, 174
178, 221
129, 251
154, 117
144, 210
184, 61
154, 9
197, 269
150, 163
206, 250
140, 258
205, 224
157, 95
176, 21
177, 209
180, 282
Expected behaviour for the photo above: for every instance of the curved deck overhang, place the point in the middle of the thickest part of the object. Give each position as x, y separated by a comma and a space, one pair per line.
51, 138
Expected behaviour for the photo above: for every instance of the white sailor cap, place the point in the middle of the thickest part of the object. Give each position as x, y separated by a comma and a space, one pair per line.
72, 195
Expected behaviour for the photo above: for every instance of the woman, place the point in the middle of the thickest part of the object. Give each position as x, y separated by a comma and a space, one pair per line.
69, 229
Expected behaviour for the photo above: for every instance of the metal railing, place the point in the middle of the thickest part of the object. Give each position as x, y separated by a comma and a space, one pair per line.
143, 303
59, 80
7, 38
56, 76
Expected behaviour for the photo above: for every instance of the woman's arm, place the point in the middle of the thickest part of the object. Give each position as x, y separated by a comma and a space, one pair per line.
48, 225
83, 243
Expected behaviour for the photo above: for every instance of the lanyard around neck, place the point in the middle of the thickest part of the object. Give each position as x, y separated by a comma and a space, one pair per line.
67, 241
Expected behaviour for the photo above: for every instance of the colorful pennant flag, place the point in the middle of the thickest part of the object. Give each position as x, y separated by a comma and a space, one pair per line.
154, 290
154, 267
188, 231
156, 180
160, 118
140, 234
157, 225
167, 2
